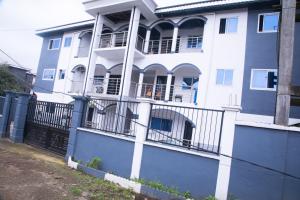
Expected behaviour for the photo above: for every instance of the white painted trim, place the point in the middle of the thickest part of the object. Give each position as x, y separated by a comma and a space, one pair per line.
123, 182
268, 126
52, 43
92, 131
262, 89
264, 14
49, 79
72, 164
202, 154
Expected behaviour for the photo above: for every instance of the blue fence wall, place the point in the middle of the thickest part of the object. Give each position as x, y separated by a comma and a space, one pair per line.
116, 154
186, 172
276, 149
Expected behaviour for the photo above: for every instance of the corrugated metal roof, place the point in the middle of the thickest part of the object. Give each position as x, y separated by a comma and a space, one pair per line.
201, 4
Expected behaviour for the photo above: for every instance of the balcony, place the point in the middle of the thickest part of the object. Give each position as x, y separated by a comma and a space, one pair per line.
112, 45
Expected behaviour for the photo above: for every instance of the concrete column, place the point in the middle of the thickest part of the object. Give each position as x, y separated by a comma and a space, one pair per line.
113, 40
286, 52
78, 115
88, 82
140, 86
174, 40
141, 132
226, 147
168, 86
147, 40
17, 134
105, 83
5, 114
129, 52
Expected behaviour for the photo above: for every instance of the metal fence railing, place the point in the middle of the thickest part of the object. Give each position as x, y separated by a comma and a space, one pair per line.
114, 116
187, 127
2, 100
56, 115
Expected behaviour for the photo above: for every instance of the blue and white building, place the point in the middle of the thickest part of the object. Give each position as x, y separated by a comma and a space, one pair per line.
205, 54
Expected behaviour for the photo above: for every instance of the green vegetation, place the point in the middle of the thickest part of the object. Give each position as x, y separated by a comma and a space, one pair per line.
210, 198
93, 188
95, 163
8, 81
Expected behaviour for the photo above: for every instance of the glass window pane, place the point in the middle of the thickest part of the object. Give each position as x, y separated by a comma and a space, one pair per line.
228, 77
68, 41
56, 44
231, 25
270, 22
220, 76
259, 78
187, 83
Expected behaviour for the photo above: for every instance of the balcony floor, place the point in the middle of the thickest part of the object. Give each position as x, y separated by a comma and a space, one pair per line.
116, 52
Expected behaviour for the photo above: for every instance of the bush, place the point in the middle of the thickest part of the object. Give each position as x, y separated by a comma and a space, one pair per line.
95, 163
210, 198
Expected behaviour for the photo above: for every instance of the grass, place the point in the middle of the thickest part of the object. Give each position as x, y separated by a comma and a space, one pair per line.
96, 189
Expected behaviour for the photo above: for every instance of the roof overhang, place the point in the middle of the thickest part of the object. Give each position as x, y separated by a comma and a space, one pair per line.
103, 7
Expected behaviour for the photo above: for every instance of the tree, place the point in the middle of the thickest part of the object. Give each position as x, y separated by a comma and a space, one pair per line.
8, 81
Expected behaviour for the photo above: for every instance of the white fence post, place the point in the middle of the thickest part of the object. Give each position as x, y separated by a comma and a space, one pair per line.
141, 131
226, 147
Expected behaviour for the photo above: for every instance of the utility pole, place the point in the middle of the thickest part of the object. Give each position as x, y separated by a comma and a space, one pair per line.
286, 51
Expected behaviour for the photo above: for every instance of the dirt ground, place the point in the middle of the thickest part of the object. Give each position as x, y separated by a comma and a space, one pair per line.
28, 173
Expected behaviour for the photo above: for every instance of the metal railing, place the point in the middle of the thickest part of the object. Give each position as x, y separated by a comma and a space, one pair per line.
178, 93
106, 85
56, 115
2, 100
160, 46
113, 116
119, 39
187, 127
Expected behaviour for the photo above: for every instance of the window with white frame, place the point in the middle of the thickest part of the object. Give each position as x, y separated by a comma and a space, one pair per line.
49, 74
61, 74
263, 79
68, 41
189, 83
54, 44
228, 25
224, 77
268, 22
194, 42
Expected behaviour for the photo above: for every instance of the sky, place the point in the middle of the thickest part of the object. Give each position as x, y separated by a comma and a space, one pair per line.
19, 19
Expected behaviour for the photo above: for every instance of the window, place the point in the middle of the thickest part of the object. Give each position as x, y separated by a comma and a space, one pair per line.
224, 76
194, 42
61, 74
68, 41
228, 25
189, 83
263, 79
161, 124
268, 22
49, 74
54, 44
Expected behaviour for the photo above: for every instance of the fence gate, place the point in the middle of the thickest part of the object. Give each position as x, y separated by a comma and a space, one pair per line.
47, 125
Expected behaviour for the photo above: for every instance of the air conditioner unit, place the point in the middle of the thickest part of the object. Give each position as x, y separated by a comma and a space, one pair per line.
99, 89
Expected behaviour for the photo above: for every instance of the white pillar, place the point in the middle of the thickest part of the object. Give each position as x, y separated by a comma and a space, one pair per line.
174, 41
147, 40
105, 82
88, 80
129, 52
168, 86
140, 86
226, 148
141, 131
113, 39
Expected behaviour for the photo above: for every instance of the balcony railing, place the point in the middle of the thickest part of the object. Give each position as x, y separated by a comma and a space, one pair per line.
183, 44
106, 86
178, 93
119, 39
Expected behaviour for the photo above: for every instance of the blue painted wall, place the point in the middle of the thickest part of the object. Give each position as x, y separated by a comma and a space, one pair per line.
276, 149
261, 53
48, 59
116, 154
184, 171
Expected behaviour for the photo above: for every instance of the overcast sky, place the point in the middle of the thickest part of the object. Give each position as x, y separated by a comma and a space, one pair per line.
20, 18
